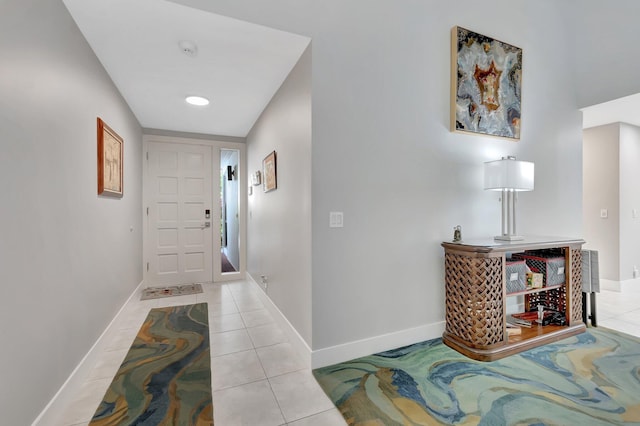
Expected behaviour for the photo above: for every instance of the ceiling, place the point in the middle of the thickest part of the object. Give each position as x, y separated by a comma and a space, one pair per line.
238, 66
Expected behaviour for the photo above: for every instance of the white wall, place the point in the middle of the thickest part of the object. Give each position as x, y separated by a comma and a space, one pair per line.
603, 35
410, 180
611, 177
629, 200
279, 222
601, 190
68, 259
383, 154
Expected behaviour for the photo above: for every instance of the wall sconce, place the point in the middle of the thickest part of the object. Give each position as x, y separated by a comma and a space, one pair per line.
509, 176
231, 172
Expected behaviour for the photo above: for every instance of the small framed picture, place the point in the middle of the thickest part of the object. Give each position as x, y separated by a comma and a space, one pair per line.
110, 161
269, 171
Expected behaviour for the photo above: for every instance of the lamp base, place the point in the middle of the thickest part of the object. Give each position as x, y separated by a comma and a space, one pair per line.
508, 238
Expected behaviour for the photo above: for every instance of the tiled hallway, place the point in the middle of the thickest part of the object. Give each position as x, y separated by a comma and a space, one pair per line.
257, 377
619, 311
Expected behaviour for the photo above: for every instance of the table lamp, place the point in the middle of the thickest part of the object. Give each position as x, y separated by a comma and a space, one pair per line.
509, 176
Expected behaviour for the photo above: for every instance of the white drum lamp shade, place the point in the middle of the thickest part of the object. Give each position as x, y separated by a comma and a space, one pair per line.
509, 176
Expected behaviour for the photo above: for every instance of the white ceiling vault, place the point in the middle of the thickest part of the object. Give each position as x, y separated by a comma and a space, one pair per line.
624, 110
238, 66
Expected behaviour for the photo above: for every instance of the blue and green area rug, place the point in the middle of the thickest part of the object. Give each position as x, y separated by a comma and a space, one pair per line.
165, 378
589, 379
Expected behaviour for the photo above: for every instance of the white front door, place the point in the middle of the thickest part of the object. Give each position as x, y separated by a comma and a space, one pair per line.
179, 233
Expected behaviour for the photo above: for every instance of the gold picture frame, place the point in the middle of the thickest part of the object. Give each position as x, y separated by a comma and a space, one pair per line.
270, 172
486, 85
110, 161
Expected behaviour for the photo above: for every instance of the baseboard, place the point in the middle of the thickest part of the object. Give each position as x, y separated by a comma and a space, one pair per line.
351, 350
299, 344
340, 353
631, 286
60, 401
610, 285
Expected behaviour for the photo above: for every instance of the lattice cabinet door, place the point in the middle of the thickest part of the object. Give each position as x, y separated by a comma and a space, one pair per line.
475, 299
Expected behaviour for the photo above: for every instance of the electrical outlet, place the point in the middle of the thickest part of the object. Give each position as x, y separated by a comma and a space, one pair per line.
264, 281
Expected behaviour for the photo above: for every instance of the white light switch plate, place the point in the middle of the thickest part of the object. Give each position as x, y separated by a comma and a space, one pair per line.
336, 220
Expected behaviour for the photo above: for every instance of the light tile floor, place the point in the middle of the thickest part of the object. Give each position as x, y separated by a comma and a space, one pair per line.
619, 311
257, 378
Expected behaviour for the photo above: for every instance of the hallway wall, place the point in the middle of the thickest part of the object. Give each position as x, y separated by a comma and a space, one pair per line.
279, 221
611, 176
68, 258
601, 165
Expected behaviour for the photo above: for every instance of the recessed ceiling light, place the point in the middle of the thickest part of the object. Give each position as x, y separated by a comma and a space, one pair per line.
197, 100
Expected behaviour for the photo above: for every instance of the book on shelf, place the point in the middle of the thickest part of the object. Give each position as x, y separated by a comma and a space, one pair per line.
513, 329
520, 322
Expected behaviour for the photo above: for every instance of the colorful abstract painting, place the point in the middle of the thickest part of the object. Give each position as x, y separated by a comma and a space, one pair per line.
165, 378
486, 85
589, 379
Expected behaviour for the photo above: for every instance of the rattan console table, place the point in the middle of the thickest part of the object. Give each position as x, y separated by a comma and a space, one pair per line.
476, 297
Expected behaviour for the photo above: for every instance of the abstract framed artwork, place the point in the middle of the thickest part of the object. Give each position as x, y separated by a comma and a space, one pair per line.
270, 172
486, 83
110, 161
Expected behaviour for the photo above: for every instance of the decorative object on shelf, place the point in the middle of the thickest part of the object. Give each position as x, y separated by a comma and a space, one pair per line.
509, 176
110, 161
255, 178
534, 280
550, 265
269, 169
540, 313
486, 79
457, 234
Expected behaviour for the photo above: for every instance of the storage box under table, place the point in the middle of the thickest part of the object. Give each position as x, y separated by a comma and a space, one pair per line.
516, 275
550, 264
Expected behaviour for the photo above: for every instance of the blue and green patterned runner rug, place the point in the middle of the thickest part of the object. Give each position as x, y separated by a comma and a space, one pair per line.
589, 379
165, 378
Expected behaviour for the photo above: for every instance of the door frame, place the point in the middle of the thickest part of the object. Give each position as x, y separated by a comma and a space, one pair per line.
216, 146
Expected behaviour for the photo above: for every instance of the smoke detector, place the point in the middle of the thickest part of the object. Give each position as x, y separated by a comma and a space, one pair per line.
189, 48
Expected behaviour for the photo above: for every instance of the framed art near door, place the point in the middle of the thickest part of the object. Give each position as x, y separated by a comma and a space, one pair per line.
110, 161
269, 170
